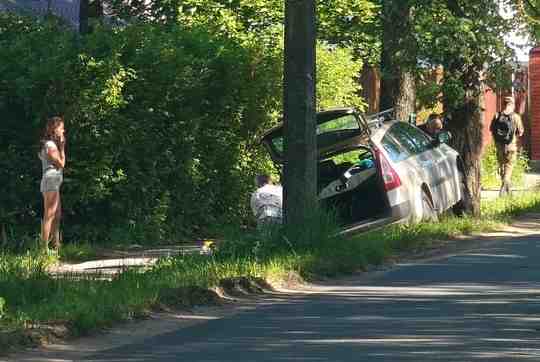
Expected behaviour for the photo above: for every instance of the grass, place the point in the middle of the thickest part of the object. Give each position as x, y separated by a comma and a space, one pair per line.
78, 252
31, 297
490, 174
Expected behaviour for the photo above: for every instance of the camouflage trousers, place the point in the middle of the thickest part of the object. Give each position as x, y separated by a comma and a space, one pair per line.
506, 159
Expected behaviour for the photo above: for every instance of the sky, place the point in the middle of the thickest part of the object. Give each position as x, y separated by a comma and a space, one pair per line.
522, 50
516, 41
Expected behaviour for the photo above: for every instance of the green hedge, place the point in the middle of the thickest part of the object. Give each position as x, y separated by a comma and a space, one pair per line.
163, 124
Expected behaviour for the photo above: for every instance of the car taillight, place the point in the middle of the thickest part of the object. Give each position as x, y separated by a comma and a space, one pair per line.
390, 177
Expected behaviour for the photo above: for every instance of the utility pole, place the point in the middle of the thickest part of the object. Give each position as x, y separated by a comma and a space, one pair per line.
300, 168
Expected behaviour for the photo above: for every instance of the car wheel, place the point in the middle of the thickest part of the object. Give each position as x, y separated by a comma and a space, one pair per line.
428, 211
462, 206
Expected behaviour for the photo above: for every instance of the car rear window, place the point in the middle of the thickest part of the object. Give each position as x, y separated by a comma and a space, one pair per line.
329, 132
346, 122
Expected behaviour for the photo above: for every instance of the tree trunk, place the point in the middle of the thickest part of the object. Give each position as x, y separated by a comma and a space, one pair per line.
466, 126
84, 8
406, 97
300, 172
398, 59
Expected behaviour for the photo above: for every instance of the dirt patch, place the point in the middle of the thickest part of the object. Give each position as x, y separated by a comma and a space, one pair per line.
243, 286
187, 297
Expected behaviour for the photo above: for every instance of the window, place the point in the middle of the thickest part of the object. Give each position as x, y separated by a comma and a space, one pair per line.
346, 122
422, 141
330, 132
413, 140
395, 151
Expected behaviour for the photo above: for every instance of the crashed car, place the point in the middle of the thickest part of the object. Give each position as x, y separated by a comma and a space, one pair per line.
377, 170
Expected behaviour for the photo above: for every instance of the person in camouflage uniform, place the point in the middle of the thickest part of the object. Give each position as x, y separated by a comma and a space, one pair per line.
507, 153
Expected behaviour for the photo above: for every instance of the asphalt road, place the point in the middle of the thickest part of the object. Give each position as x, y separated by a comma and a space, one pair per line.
480, 305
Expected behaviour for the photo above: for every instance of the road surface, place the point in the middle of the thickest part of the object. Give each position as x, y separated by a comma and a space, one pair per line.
478, 305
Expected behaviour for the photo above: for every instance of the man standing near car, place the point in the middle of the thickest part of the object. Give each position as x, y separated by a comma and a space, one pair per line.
433, 125
506, 127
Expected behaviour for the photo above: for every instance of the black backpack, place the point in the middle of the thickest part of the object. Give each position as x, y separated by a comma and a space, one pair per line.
503, 128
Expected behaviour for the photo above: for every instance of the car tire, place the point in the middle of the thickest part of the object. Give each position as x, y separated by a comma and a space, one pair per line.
428, 210
462, 206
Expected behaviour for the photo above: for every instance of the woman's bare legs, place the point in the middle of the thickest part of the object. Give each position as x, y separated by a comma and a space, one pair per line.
56, 225
50, 207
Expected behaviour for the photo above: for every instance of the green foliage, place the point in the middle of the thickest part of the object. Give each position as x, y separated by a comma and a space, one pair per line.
463, 38
490, 169
351, 24
504, 208
529, 11
337, 83
75, 252
163, 123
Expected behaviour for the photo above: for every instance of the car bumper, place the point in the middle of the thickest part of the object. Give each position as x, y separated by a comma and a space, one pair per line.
400, 211
394, 214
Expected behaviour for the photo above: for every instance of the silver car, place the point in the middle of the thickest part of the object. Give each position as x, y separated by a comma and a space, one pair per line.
376, 170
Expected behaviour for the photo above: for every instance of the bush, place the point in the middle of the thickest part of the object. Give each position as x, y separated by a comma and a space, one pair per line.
163, 124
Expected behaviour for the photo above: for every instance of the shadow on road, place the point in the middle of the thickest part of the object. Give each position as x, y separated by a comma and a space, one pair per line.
482, 305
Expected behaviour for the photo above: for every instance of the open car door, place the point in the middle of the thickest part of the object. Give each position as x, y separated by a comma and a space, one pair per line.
336, 129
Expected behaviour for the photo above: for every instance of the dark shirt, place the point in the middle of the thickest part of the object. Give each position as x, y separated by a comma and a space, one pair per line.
424, 127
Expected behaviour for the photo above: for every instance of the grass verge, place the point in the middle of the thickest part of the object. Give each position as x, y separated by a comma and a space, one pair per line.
31, 299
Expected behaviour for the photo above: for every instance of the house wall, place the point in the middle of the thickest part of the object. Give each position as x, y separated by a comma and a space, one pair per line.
534, 103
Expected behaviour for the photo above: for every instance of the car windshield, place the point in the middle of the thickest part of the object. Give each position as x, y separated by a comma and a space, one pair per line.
331, 131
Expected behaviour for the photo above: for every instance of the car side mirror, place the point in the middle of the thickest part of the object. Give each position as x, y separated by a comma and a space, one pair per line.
442, 137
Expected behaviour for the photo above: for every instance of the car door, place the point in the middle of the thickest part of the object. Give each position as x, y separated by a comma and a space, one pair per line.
446, 182
424, 165
450, 172
442, 166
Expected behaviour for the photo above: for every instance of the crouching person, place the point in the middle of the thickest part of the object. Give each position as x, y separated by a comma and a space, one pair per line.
266, 202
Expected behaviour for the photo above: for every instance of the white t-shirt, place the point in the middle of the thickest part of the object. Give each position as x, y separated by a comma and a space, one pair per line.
267, 201
46, 163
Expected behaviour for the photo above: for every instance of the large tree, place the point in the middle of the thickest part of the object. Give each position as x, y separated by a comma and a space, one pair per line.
530, 11
349, 23
466, 38
399, 57
300, 172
